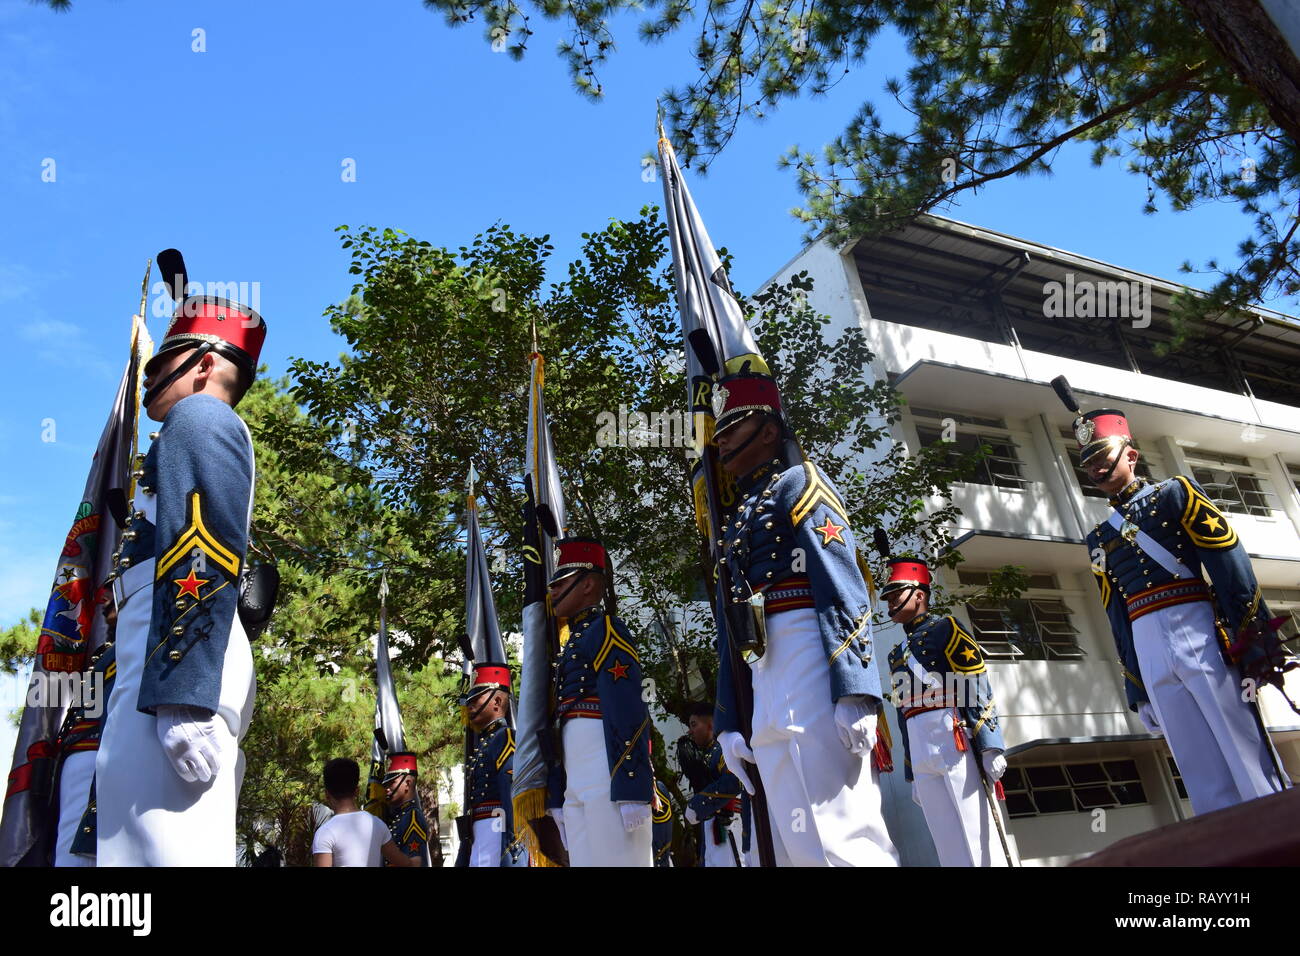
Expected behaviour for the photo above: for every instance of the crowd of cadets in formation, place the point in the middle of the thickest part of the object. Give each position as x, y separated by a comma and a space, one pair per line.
156, 780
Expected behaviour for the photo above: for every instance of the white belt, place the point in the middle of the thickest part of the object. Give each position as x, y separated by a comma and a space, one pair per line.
1149, 546
132, 580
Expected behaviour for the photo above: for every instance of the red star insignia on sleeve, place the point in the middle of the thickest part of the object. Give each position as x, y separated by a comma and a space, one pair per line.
189, 585
619, 669
830, 531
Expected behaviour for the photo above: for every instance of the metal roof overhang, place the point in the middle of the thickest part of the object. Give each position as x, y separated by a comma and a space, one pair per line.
962, 262
928, 383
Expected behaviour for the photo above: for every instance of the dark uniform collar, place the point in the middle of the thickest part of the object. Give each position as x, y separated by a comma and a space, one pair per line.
493, 727
917, 621
1127, 492
763, 473
584, 616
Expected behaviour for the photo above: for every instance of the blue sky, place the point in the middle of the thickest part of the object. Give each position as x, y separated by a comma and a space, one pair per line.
234, 155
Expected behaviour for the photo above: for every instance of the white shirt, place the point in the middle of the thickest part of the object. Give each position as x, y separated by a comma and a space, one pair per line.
355, 838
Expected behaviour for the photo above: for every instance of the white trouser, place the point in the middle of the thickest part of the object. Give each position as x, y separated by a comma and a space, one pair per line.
147, 815
723, 854
593, 824
1211, 731
822, 800
948, 786
486, 850
75, 777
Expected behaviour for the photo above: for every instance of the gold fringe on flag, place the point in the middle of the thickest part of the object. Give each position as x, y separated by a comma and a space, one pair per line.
531, 805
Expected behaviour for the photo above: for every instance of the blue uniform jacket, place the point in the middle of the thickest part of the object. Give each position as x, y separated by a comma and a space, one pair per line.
662, 823
1179, 515
599, 669
203, 468
724, 788
791, 523
491, 776
410, 830
939, 645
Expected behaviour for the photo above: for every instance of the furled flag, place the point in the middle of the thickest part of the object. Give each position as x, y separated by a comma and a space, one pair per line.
543, 522
717, 342
481, 627
389, 737
73, 625
481, 644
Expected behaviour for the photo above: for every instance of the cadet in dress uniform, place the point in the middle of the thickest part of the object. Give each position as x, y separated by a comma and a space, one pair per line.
406, 819
716, 800
792, 557
661, 821
604, 723
1148, 559
948, 721
491, 766
78, 745
169, 767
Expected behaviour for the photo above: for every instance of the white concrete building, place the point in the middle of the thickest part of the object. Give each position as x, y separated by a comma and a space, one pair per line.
968, 325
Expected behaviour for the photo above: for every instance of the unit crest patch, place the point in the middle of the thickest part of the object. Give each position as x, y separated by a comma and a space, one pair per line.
963, 652
1204, 523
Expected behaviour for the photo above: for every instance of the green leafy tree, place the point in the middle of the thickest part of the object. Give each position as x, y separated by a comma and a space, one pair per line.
18, 651
330, 534
436, 375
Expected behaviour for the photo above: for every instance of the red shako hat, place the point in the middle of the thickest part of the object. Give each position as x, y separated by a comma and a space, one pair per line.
575, 555
906, 573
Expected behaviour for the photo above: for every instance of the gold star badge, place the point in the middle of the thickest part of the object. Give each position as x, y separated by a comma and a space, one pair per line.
830, 531
189, 585
1213, 523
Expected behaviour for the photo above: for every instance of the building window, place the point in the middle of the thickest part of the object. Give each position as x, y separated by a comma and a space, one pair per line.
1232, 484
1294, 472
1178, 778
1143, 468
1284, 602
1072, 787
964, 434
1033, 628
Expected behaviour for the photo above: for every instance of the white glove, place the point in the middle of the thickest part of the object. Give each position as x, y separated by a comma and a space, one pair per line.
995, 765
635, 815
734, 753
1147, 714
188, 738
856, 723
691, 818
557, 814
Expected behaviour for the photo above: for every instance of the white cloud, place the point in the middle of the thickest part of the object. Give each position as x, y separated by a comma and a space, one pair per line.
49, 332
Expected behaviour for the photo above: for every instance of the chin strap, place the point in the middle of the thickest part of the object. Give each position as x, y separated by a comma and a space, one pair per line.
487, 699
743, 445
577, 579
1124, 443
153, 393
